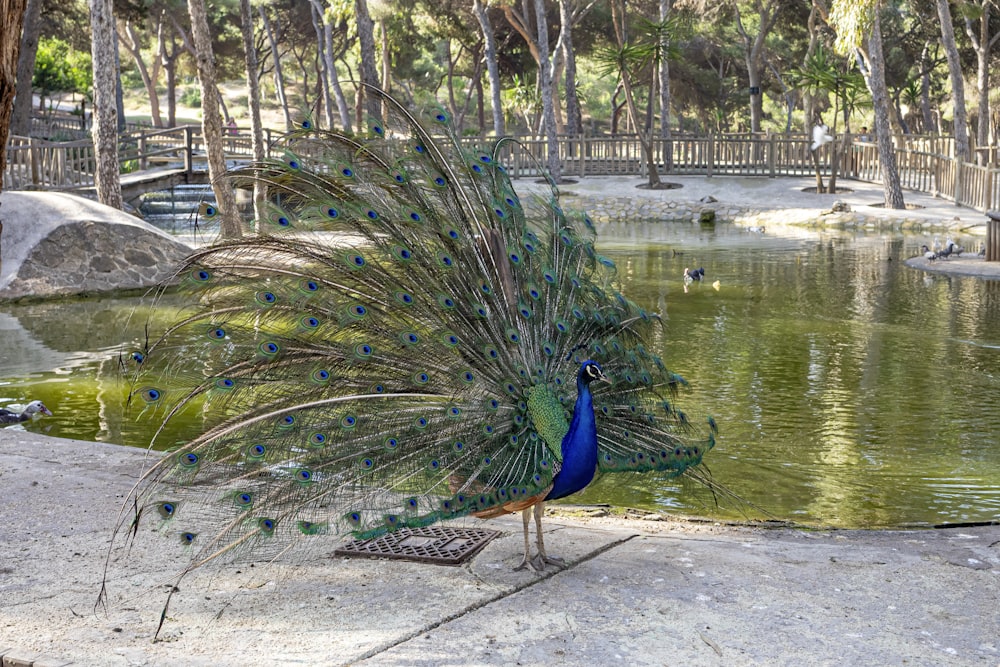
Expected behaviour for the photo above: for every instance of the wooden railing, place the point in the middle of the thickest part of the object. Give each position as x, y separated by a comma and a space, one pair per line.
924, 163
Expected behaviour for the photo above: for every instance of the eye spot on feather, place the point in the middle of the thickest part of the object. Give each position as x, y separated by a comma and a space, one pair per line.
166, 510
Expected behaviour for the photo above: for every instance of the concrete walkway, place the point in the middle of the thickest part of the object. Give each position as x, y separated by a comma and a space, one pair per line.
635, 592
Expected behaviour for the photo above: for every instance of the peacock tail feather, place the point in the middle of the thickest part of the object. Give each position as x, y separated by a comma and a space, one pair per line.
398, 345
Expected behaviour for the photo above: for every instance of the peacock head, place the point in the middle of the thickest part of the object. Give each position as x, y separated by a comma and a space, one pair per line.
591, 371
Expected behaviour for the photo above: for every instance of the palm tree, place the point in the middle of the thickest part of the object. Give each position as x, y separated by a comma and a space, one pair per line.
821, 76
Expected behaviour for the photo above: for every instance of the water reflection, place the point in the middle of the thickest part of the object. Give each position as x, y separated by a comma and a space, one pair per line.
850, 390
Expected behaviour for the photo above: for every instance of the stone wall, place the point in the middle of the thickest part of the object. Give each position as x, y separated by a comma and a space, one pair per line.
838, 216
55, 244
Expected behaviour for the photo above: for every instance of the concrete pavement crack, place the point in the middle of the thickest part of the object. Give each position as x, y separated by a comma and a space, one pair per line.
488, 601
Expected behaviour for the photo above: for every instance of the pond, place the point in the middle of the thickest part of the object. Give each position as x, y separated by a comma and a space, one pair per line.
850, 390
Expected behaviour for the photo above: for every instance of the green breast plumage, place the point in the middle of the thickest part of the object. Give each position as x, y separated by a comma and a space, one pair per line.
548, 418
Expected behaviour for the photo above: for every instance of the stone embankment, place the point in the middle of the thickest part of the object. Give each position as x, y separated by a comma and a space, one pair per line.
56, 244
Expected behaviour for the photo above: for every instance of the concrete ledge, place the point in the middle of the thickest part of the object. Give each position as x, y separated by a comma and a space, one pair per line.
635, 592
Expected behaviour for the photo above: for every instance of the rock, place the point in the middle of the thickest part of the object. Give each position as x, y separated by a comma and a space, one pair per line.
706, 216
57, 244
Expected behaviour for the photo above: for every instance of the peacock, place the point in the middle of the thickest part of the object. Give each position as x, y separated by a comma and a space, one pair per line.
403, 341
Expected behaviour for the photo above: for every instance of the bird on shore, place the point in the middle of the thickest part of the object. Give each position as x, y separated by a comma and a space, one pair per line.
929, 254
26, 413
405, 342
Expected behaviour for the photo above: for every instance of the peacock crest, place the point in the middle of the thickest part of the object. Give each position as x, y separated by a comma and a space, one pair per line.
404, 341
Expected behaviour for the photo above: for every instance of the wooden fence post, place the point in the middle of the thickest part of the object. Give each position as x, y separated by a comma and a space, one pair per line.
143, 162
993, 236
711, 153
771, 157
33, 161
188, 158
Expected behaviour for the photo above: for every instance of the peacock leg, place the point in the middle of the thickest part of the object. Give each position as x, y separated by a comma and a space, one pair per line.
526, 561
542, 559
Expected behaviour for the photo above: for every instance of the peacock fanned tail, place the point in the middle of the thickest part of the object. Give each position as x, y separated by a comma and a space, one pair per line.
398, 345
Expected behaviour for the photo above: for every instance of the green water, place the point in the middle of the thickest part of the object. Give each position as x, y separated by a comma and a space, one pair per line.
849, 389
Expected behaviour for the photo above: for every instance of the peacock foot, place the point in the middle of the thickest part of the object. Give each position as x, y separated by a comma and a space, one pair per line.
538, 563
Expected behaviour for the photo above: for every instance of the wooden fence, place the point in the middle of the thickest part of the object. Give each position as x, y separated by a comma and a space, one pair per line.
924, 164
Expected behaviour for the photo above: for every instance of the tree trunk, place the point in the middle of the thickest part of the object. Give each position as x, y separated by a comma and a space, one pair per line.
666, 133
548, 107
211, 121
20, 122
253, 93
12, 15
169, 61
753, 53
279, 78
338, 92
957, 81
983, 45
324, 60
11, 22
925, 89
105, 129
132, 45
574, 117
386, 58
369, 73
492, 65
883, 134
645, 138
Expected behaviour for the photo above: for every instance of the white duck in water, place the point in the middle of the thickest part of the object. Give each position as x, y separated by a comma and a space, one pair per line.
29, 411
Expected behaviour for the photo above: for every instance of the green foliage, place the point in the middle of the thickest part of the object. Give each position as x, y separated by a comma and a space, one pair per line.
191, 97
61, 68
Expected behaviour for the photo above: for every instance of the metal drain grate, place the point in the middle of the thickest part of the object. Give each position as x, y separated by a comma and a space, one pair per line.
441, 545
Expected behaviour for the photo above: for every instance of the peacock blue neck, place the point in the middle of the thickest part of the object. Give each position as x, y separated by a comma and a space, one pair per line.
579, 445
